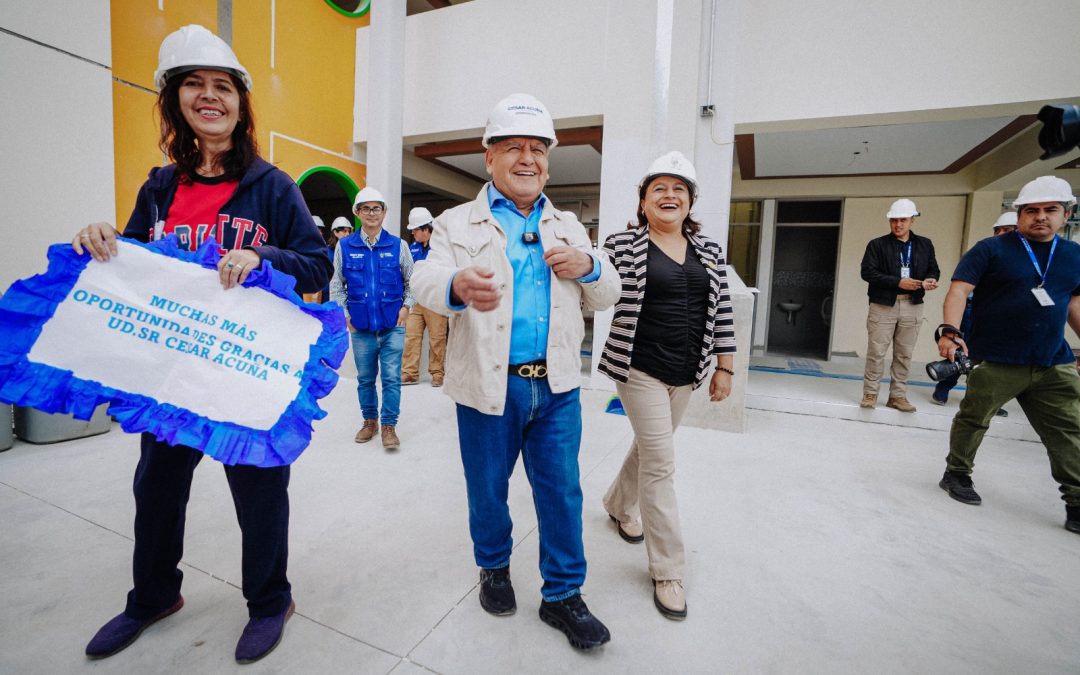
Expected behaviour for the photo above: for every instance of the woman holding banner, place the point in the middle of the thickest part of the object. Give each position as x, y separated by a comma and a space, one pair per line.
218, 187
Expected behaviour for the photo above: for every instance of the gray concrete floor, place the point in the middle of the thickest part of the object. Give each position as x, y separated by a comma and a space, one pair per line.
818, 542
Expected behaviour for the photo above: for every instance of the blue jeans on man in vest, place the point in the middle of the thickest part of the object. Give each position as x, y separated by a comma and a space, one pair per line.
545, 429
378, 354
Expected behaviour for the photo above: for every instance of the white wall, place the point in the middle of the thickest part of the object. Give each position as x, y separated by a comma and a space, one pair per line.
57, 132
797, 59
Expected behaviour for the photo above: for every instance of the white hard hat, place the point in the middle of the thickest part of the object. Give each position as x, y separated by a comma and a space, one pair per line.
1045, 189
418, 217
368, 194
340, 223
318, 222
520, 115
902, 208
673, 164
194, 48
1007, 219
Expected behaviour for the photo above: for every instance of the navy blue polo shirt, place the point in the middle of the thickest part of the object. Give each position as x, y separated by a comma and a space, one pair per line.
1008, 323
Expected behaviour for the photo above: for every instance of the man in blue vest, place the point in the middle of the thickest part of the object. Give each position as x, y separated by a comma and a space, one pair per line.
371, 281
420, 317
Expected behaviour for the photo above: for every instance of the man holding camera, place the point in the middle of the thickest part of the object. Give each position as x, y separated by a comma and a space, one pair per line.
899, 268
1027, 286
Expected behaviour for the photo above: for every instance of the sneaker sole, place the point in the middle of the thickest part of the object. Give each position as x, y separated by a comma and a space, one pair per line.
575, 642
292, 609
667, 611
1072, 526
969, 502
167, 613
937, 402
495, 612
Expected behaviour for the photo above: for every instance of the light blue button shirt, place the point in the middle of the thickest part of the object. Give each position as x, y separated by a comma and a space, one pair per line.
532, 277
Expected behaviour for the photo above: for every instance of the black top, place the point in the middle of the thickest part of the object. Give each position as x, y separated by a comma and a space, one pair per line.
671, 326
1008, 323
881, 267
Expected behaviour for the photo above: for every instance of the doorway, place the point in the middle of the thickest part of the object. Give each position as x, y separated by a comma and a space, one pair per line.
803, 278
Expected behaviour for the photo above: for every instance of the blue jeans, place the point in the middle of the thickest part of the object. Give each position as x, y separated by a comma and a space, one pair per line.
378, 353
545, 429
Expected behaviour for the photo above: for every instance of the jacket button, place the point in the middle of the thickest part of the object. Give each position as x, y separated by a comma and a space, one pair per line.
472, 249
498, 366
500, 327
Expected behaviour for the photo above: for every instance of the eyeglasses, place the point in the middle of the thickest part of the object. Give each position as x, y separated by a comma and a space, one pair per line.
370, 210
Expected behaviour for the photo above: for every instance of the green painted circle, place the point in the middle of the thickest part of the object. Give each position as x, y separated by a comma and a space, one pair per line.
360, 10
340, 177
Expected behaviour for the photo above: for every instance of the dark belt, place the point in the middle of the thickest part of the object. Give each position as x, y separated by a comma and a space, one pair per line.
532, 371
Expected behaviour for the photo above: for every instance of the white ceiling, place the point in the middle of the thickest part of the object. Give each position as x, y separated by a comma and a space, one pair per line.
569, 165
924, 147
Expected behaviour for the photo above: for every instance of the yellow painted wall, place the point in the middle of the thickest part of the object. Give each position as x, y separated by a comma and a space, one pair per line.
303, 104
942, 221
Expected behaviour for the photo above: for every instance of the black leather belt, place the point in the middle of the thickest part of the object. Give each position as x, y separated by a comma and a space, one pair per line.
532, 371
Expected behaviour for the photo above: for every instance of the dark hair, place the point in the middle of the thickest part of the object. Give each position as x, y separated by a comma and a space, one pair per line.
689, 225
179, 142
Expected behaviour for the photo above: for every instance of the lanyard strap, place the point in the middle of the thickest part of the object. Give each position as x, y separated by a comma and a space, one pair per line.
1031, 254
905, 262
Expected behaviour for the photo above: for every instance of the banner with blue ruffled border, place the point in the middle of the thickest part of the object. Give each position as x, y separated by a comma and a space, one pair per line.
236, 374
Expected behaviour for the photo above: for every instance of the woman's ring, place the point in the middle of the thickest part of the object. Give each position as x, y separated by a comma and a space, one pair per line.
84, 236
229, 266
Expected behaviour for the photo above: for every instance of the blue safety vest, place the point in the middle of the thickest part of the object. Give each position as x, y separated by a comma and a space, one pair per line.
373, 281
418, 251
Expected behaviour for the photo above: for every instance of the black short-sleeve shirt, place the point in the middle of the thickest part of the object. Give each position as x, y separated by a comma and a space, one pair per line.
1008, 323
671, 326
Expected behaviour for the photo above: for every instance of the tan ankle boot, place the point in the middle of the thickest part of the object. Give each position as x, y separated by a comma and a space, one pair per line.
367, 432
670, 599
389, 437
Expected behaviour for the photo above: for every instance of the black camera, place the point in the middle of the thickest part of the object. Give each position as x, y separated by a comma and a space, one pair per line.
1061, 129
940, 370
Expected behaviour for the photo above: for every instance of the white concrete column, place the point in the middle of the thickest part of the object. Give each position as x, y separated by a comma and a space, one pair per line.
385, 103
715, 134
764, 276
649, 107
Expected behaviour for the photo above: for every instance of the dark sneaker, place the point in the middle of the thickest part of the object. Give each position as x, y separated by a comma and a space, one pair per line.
261, 635
1072, 519
122, 630
960, 487
939, 400
1002, 412
573, 618
496, 592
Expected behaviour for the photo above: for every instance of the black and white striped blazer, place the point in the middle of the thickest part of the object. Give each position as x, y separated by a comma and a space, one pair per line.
628, 252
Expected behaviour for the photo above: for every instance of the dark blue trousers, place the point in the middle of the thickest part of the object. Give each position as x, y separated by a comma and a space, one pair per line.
162, 487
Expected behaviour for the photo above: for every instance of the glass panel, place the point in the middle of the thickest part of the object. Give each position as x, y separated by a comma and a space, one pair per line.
808, 212
742, 251
745, 213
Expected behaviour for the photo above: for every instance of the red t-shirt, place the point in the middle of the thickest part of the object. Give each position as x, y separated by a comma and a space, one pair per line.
195, 214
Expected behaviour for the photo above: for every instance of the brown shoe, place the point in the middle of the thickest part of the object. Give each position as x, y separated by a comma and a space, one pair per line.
868, 401
670, 599
389, 437
408, 379
631, 532
367, 432
436, 380
900, 404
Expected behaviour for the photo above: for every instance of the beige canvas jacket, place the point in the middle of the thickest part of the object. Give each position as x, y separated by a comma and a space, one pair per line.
479, 342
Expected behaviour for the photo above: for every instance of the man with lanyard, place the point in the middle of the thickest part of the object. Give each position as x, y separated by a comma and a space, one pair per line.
421, 317
513, 273
1005, 224
371, 281
899, 268
1027, 286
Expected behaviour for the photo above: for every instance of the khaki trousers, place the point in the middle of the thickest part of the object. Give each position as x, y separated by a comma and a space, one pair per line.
646, 481
898, 325
437, 326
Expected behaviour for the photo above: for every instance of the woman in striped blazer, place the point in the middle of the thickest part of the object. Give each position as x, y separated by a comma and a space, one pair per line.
673, 317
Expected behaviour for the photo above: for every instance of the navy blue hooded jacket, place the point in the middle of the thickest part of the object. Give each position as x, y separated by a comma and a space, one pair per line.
265, 214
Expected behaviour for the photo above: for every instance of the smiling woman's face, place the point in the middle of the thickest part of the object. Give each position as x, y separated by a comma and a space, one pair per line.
210, 104
666, 202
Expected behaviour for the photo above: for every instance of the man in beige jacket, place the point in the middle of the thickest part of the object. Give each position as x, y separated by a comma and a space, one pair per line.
512, 273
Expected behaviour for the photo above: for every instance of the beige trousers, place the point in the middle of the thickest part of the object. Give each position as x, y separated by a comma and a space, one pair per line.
898, 325
437, 326
646, 482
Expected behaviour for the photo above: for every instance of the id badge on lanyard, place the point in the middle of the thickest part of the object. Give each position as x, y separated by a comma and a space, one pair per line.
905, 262
1041, 296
